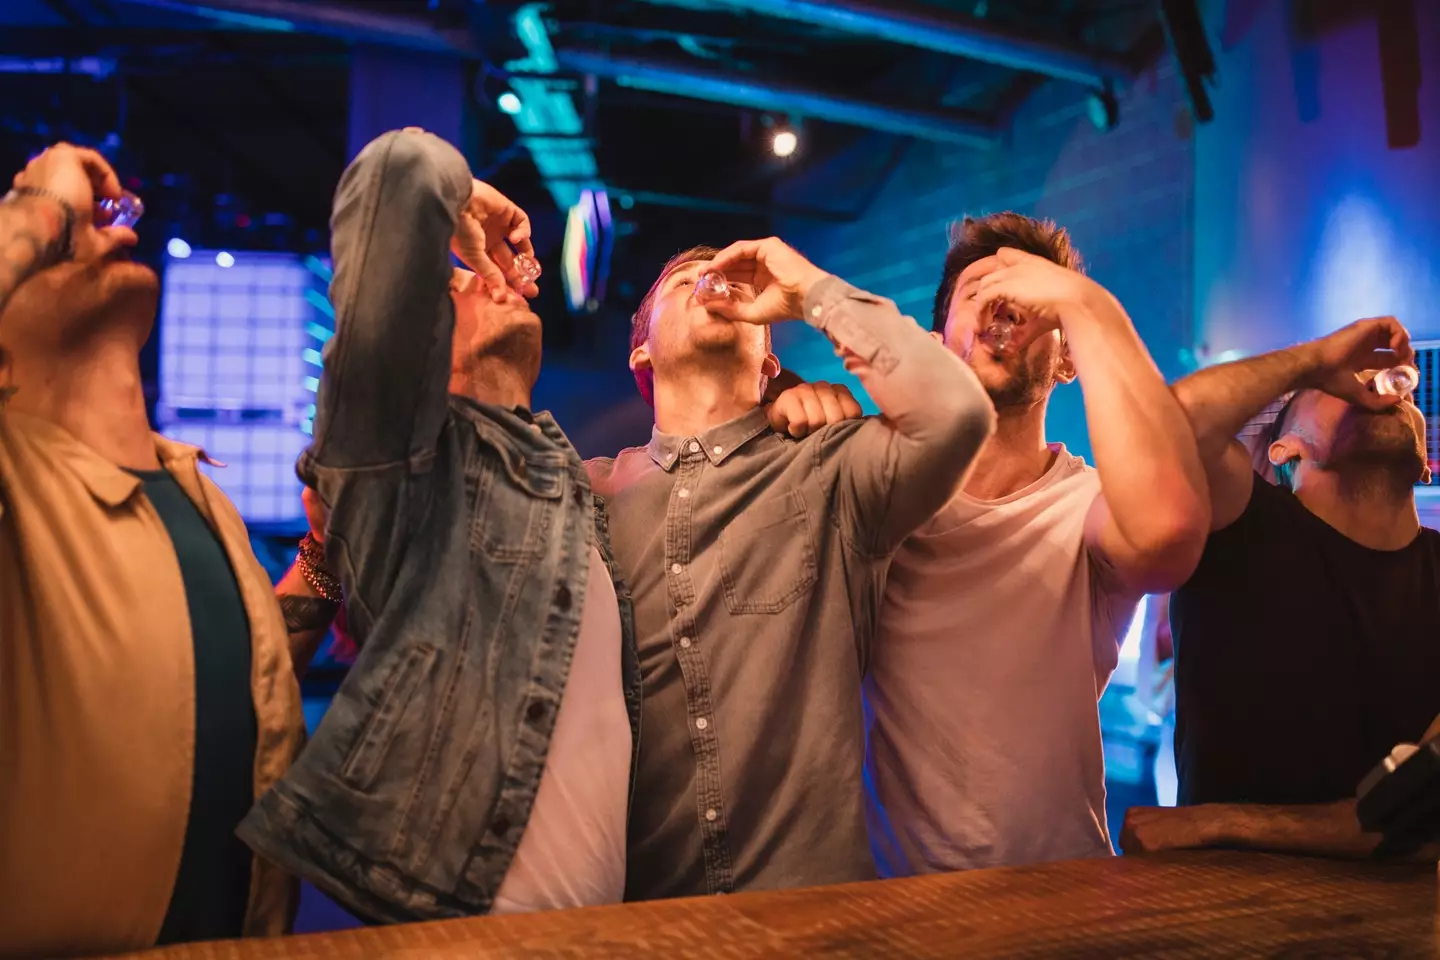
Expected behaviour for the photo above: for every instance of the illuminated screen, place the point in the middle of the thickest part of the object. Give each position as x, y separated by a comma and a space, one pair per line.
238, 362
585, 257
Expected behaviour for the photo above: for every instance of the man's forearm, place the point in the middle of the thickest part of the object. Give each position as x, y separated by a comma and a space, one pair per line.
31, 230
1220, 400
926, 392
1325, 830
387, 369
308, 617
1145, 451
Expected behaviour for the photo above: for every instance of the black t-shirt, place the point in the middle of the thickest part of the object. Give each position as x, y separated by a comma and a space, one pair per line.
213, 885
1301, 657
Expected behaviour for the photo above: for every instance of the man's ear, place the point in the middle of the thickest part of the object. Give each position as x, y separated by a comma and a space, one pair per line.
1284, 450
1065, 370
640, 358
769, 368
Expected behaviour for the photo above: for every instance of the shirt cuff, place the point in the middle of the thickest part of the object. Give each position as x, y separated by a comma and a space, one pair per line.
822, 297
854, 321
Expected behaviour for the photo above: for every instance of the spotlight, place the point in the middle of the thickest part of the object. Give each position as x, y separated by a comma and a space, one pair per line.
784, 143
508, 103
223, 259
177, 248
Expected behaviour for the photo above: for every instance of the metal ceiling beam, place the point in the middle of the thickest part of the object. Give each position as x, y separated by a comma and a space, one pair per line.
322, 19
700, 83
932, 29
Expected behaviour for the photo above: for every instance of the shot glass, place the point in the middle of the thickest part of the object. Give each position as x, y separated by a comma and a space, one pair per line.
999, 335
125, 212
1398, 381
527, 267
711, 286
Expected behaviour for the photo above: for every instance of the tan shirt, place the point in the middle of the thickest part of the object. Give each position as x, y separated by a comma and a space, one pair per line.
97, 696
998, 633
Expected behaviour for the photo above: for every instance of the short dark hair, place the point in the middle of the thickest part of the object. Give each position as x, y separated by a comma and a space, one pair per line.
975, 238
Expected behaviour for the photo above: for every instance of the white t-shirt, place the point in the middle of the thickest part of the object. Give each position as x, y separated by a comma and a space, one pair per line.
573, 851
998, 633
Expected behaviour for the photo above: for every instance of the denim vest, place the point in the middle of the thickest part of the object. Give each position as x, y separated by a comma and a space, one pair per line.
410, 800
461, 533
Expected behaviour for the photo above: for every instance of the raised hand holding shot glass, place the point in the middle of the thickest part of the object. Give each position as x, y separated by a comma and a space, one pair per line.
492, 238
779, 276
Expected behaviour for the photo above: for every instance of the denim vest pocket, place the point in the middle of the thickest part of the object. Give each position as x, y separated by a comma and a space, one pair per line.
401, 682
514, 499
767, 559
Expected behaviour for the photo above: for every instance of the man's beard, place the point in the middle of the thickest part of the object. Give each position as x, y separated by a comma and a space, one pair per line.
1024, 388
1383, 445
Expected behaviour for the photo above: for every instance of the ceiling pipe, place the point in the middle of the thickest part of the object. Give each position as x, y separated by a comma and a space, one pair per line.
700, 83
321, 19
933, 29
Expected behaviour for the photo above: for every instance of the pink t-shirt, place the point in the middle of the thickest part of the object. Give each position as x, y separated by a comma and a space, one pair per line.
998, 633
573, 850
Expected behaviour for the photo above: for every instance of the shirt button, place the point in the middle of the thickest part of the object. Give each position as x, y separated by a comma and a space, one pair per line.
701, 724
694, 447
684, 643
717, 450
675, 568
684, 492
815, 311
711, 815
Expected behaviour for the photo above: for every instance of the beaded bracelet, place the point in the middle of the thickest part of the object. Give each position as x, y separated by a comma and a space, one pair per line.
311, 561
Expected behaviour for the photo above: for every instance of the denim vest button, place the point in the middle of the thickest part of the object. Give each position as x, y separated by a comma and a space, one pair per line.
562, 597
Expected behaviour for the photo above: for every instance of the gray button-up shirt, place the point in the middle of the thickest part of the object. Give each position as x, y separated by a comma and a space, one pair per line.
756, 563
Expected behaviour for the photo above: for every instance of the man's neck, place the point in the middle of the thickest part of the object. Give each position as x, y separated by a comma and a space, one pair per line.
1374, 508
493, 381
94, 393
689, 406
1015, 457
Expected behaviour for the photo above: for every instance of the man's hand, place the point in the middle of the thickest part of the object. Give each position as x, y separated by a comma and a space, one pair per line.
77, 175
487, 227
1336, 360
803, 409
1156, 829
781, 278
1040, 293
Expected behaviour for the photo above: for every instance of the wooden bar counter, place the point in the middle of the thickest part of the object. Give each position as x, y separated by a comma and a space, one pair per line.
1199, 904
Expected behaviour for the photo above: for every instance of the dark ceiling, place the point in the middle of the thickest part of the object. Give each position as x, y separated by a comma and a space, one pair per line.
236, 135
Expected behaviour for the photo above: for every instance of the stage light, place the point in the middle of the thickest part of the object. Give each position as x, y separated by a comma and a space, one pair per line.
223, 259
508, 103
177, 248
784, 143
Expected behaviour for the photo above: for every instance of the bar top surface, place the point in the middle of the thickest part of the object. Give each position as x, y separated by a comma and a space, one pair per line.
1193, 904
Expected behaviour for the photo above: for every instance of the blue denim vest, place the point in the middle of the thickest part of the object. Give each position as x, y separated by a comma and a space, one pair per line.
461, 532
464, 590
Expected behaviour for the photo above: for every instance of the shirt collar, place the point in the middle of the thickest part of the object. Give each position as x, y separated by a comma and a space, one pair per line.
717, 443
107, 482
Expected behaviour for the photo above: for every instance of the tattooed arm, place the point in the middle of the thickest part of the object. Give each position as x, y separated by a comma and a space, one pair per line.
53, 194
307, 617
32, 235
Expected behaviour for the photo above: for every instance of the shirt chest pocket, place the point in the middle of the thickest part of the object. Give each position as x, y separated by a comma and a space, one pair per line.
767, 555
